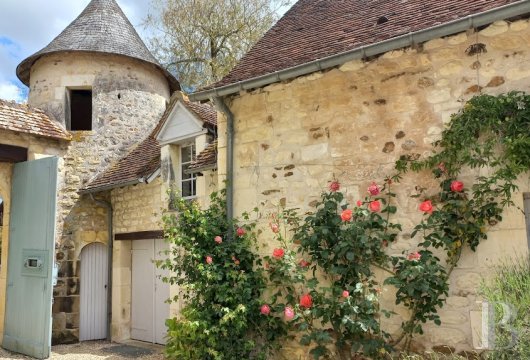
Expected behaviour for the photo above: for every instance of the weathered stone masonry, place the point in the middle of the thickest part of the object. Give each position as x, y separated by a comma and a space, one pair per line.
354, 121
129, 97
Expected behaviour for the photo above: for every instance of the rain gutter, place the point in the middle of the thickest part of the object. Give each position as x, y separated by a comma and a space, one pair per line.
221, 106
411, 39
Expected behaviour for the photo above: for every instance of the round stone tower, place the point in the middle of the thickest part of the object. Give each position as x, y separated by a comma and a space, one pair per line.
99, 81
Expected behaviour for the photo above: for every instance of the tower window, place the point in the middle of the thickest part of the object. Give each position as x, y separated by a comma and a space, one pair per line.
80, 110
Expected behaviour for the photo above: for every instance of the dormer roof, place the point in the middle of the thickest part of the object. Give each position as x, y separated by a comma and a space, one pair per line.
102, 27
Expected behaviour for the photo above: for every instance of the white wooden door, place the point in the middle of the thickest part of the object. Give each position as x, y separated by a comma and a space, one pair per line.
93, 292
149, 309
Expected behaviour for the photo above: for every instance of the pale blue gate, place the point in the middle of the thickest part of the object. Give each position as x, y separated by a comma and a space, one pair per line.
27, 327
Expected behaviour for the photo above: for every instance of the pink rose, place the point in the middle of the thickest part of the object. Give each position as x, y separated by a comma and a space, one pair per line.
288, 313
218, 239
346, 215
374, 206
359, 203
235, 260
334, 186
457, 186
265, 309
345, 293
306, 301
415, 256
373, 189
441, 167
303, 263
426, 206
240, 232
278, 253
275, 228
209, 260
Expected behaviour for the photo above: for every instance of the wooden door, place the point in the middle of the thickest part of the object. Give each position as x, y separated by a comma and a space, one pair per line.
93, 292
149, 309
27, 326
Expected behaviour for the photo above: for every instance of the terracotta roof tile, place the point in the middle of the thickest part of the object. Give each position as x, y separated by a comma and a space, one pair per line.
144, 159
314, 29
26, 119
207, 159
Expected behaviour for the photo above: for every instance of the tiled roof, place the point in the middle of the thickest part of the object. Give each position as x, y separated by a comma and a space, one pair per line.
315, 29
207, 159
141, 162
144, 159
26, 119
101, 27
205, 112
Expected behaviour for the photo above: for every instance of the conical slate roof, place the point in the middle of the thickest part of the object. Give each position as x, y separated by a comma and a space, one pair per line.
102, 27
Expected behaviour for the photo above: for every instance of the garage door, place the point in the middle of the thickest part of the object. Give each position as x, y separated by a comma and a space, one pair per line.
149, 309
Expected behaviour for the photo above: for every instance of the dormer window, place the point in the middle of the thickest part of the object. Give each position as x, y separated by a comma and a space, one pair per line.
80, 110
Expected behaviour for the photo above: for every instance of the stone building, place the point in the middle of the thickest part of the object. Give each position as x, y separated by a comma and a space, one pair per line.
102, 90
180, 153
343, 89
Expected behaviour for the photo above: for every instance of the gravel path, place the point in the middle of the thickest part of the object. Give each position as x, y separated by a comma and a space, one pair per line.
88, 350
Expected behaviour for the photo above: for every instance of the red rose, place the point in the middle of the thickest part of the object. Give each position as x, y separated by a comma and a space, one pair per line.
265, 309
240, 232
373, 189
426, 206
345, 293
334, 186
209, 260
346, 215
457, 186
359, 203
278, 253
306, 301
415, 256
374, 206
218, 239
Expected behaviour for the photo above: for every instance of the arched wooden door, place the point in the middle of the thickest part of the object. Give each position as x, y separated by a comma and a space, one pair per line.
93, 292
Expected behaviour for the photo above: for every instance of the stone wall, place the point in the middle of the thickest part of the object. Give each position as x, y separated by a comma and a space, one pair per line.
136, 208
128, 99
37, 148
353, 122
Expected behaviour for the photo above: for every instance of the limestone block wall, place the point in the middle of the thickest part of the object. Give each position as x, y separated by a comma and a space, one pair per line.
353, 122
37, 148
128, 99
136, 208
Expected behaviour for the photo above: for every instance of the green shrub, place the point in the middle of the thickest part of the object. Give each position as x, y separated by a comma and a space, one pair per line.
510, 285
220, 282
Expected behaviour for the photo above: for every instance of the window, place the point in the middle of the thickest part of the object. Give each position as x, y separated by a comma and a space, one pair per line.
188, 181
80, 110
1, 215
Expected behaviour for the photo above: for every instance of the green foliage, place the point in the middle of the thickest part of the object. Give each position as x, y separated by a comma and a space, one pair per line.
510, 285
221, 318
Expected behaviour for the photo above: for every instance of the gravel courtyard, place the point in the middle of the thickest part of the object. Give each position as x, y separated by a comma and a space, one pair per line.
98, 350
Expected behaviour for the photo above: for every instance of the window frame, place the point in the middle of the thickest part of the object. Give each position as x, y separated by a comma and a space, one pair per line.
193, 176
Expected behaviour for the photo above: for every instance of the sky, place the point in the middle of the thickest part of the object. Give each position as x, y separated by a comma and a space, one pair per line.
26, 26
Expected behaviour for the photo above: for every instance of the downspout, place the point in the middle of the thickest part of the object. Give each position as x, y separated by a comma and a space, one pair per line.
221, 106
110, 248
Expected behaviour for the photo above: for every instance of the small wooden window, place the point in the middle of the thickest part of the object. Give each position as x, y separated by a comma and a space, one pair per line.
188, 181
80, 110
